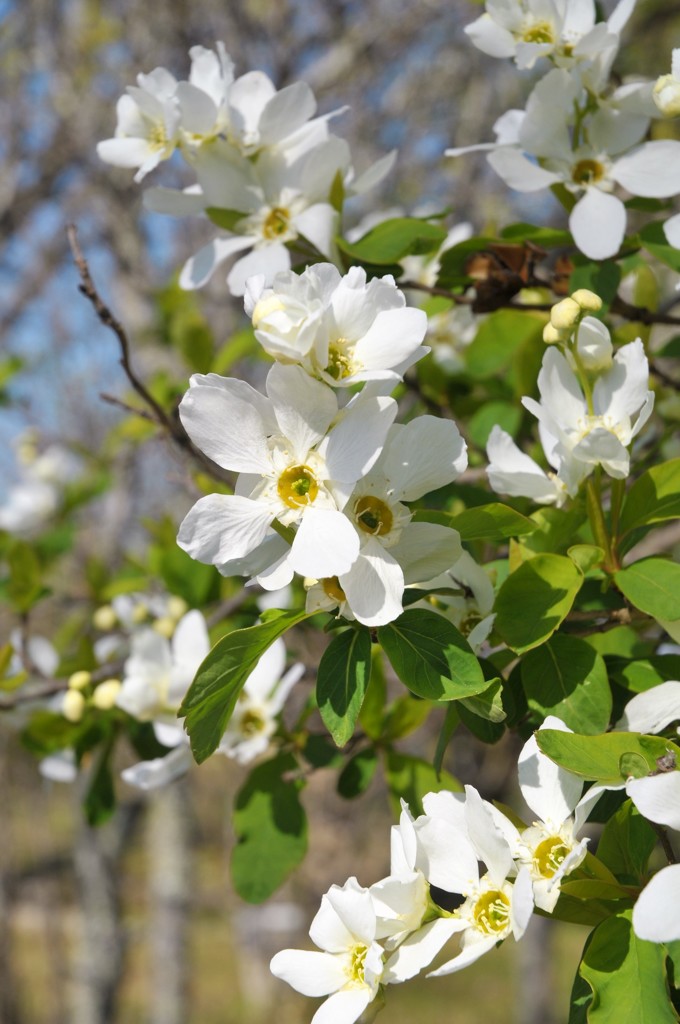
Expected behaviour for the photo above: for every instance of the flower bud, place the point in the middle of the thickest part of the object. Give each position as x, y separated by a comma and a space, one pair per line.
73, 705
104, 697
79, 680
551, 336
666, 95
139, 613
105, 618
587, 300
594, 345
267, 305
565, 314
177, 607
165, 626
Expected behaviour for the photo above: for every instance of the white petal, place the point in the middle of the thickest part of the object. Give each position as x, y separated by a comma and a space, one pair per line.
672, 231
551, 792
223, 527
374, 585
467, 956
59, 767
423, 455
286, 111
198, 270
560, 390
393, 336
159, 771
491, 38
420, 949
657, 797
326, 544
227, 424
522, 903
268, 260
652, 710
356, 442
198, 111
445, 855
354, 906
598, 224
510, 471
304, 407
190, 643
319, 225
424, 550
312, 973
653, 170
623, 389
490, 844
519, 172
655, 915
344, 1007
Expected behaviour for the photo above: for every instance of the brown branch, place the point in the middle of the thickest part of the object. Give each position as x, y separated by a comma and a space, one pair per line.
665, 842
172, 425
112, 400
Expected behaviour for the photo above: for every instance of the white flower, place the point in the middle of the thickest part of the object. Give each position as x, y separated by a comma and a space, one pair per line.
470, 605
147, 131
453, 836
655, 915
579, 433
402, 899
539, 148
594, 345
666, 93
158, 672
343, 330
529, 29
299, 458
349, 969
418, 457
653, 710
254, 720
548, 847
657, 797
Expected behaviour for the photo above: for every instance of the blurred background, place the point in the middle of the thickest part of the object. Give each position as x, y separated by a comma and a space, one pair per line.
136, 922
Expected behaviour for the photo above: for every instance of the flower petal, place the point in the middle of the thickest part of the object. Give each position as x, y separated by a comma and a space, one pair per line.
223, 527
655, 915
657, 797
312, 973
598, 224
423, 455
374, 586
326, 544
226, 424
652, 170
652, 710
420, 949
551, 792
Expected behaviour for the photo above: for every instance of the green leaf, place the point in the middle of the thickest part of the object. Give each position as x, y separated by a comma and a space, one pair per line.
241, 344
226, 219
451, 720
585, 556
24, 587
600, 757
410, 778
484, 522
653, 586
535, 599
357, 775
653, 498
372, 709
654, 240
393, 239
271, 830
643, 673
601, 278
487, 704
626, 844
404, 716
342, 678
99, 802
501, 335
627, 976
556, 530
543, 236
431, 657
567, 678
453, 262
48, 732
504, 414
211, 698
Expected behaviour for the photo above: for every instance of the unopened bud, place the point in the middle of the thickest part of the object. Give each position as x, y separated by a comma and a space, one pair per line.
666, 95
105, 618
551, 336
79, 680
165, 626
263, 308
177, 607
565, 314
587, 300
104, 697
140, 613
73, 705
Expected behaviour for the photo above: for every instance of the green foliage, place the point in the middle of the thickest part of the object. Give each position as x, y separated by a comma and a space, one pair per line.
501, 345
603, 278
431, 657
535, 599
390, 241
626, 844
270, 825
608, 759
492, 522
654, 241
24, 586
211, 698
653, 498
567, 678
343, 675
653, 586
358, 773
624, 971
410, 778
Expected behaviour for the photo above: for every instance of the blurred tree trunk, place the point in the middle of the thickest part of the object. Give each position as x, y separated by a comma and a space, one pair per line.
169, 866
101, 943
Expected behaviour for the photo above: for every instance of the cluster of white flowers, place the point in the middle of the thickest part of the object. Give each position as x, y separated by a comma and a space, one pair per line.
162, 645
388, 933
593, 404
324, 478
577, 130
267, 170
35, 499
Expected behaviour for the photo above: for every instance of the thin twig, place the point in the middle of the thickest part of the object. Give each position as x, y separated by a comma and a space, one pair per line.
112, 400
665, 842
171, 424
